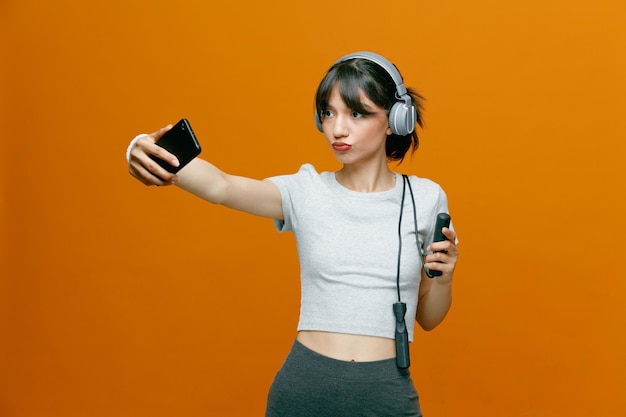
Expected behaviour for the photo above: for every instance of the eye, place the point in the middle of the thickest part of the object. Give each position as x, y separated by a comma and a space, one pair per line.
327, 113
357, 115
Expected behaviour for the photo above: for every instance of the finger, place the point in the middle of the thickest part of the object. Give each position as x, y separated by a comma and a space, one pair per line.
147, 177
156, 170
148, 146
164, 155
144, 168
157, 135
449, 233
443, 245
444, 261
437, 257
445, 265
434, 266
143, 175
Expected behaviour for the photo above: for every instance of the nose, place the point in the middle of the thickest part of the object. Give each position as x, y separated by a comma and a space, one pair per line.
340, 126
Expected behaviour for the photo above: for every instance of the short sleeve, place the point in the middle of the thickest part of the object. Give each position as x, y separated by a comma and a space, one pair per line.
293, 189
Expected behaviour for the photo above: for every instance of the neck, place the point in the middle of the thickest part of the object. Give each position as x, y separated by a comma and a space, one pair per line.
370, 179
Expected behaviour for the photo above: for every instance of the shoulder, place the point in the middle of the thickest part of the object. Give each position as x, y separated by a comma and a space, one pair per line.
305, 178
425, 186
305, 171
429, 197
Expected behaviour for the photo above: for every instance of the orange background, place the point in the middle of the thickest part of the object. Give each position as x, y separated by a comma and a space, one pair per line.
118, 299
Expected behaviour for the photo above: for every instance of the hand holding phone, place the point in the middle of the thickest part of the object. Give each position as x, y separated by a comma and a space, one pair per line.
182, 143
443, 220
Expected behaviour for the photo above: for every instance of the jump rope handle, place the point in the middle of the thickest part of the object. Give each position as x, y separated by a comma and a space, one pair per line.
443, 220
402, 337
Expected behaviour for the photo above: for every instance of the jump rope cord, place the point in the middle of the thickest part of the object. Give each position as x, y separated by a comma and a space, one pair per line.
417, 236
406, 181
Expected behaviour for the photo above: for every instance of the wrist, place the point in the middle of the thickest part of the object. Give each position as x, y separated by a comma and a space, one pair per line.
131, 144
443, 281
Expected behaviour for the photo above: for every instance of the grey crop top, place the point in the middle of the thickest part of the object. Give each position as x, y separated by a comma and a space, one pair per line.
348, 250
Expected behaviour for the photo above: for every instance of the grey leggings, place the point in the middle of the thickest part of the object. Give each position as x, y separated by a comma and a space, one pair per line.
312, 385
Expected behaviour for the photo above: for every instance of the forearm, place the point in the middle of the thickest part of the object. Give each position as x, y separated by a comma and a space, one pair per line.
203, 180
434, 304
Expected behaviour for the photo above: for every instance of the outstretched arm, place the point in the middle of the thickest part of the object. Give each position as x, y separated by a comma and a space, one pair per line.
204, 180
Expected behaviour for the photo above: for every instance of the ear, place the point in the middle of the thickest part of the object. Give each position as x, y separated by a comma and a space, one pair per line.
389, 132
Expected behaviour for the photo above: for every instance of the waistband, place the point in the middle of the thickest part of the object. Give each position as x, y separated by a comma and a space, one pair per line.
301, 356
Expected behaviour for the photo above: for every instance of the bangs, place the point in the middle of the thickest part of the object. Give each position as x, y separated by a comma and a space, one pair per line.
350, 92
350, 82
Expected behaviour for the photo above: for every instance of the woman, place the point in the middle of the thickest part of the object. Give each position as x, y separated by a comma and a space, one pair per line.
359, 255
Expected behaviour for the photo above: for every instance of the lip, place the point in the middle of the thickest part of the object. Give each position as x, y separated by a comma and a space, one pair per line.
341, 146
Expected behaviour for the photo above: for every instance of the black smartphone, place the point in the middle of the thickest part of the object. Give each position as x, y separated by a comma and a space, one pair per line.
180, 141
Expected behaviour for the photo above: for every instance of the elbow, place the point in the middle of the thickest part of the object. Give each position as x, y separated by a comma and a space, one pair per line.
430, 322
428, 326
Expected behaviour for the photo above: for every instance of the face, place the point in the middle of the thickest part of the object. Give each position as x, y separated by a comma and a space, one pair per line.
355, 137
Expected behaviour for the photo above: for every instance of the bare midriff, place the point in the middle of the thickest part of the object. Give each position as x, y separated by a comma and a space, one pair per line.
348, 347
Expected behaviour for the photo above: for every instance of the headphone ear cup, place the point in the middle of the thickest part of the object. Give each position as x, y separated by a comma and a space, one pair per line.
402, 118
318, 123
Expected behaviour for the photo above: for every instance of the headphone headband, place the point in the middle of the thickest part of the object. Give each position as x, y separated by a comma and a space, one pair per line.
382, 62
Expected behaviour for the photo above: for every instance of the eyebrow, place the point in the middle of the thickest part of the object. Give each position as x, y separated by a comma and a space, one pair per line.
365, 108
